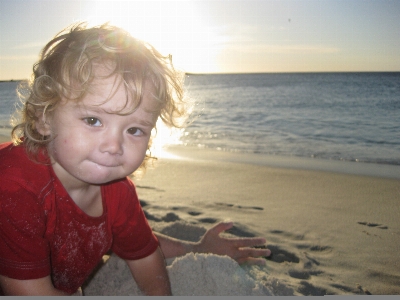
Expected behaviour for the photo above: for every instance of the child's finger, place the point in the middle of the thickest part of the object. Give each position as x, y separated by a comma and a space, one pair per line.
220, 227
248, 242
254, 252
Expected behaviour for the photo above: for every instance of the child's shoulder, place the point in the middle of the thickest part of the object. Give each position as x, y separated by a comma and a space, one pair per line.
5, 147
13, 156
16, 166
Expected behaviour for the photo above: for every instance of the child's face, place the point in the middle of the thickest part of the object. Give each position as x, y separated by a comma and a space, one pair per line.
93, 144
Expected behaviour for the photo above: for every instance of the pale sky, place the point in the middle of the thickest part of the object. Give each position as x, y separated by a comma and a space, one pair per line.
220, 36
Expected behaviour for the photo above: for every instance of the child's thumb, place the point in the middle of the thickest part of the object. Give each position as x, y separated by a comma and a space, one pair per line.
222, 226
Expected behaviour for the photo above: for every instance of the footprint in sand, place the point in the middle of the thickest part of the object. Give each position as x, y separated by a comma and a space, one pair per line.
194, 213
143, 203
288, 235
301, 274
149, 188
235, 230
280, 255
169, 217
208, 220
151, 217
380, 226
308, 289
305, 263
348, 289
239, 206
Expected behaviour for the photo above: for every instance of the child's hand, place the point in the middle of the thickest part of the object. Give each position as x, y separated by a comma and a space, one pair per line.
238, 249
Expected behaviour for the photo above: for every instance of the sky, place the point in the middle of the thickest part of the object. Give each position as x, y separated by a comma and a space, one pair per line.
225, 36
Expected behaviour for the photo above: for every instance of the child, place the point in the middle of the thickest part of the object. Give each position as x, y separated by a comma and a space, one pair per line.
65, 198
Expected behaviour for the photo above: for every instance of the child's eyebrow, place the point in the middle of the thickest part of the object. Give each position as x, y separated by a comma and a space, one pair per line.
146, 123
98, 110
89, 109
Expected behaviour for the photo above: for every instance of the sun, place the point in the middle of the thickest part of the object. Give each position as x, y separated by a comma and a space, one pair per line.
172, 27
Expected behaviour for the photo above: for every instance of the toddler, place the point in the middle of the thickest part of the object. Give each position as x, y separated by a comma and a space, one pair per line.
65, 196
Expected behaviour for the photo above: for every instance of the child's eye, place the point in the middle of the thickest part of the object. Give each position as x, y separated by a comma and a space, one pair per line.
92, 121
135, 131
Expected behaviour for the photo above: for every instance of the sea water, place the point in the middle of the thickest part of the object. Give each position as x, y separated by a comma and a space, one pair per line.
331, 116
335, 116
8, 103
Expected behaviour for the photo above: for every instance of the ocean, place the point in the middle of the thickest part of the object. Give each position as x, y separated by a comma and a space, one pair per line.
333, 116
330, 116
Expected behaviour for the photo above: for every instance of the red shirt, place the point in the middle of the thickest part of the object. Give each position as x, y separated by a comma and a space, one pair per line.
43, 232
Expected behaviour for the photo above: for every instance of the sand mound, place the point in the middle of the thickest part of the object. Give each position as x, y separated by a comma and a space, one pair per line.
193, 274
212, 275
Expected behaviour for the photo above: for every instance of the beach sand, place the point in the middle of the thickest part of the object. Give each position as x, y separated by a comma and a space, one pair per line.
329, 232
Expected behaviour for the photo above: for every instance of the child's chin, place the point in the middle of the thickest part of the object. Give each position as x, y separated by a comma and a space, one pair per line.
103, 178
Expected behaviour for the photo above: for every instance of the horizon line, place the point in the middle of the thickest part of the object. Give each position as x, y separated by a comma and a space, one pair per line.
285, 72
249, 73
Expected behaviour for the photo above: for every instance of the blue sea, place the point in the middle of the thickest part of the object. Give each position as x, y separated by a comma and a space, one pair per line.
330, 116
333, 116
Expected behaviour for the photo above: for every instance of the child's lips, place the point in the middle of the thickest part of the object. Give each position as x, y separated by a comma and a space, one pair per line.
107, 165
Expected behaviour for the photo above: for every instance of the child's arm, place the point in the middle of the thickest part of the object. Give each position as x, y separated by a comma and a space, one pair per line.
239, 249
151, 274
32, 287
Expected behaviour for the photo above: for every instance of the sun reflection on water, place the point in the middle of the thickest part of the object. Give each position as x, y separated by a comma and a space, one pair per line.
163, 137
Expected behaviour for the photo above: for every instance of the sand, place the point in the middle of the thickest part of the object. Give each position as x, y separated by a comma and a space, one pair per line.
329, 232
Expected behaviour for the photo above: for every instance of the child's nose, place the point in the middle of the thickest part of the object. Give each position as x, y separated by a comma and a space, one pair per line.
112, 143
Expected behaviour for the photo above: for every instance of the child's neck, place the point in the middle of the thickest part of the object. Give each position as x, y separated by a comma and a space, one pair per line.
85, 195
88, 199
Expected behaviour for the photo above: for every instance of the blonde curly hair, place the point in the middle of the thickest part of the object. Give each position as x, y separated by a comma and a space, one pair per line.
65, 70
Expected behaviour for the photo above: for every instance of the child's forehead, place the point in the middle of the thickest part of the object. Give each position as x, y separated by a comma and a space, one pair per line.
116, 95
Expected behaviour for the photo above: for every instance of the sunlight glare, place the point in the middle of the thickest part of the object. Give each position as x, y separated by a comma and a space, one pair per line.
163, 137
172, 27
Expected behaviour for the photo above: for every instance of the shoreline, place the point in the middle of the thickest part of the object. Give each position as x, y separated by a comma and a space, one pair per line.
274, 161
185, 153
286, 162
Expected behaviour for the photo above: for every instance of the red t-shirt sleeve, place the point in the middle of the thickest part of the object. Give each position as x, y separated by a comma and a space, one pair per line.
132, 235
24, 252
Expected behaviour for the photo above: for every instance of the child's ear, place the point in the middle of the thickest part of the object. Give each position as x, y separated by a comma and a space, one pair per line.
43, 125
